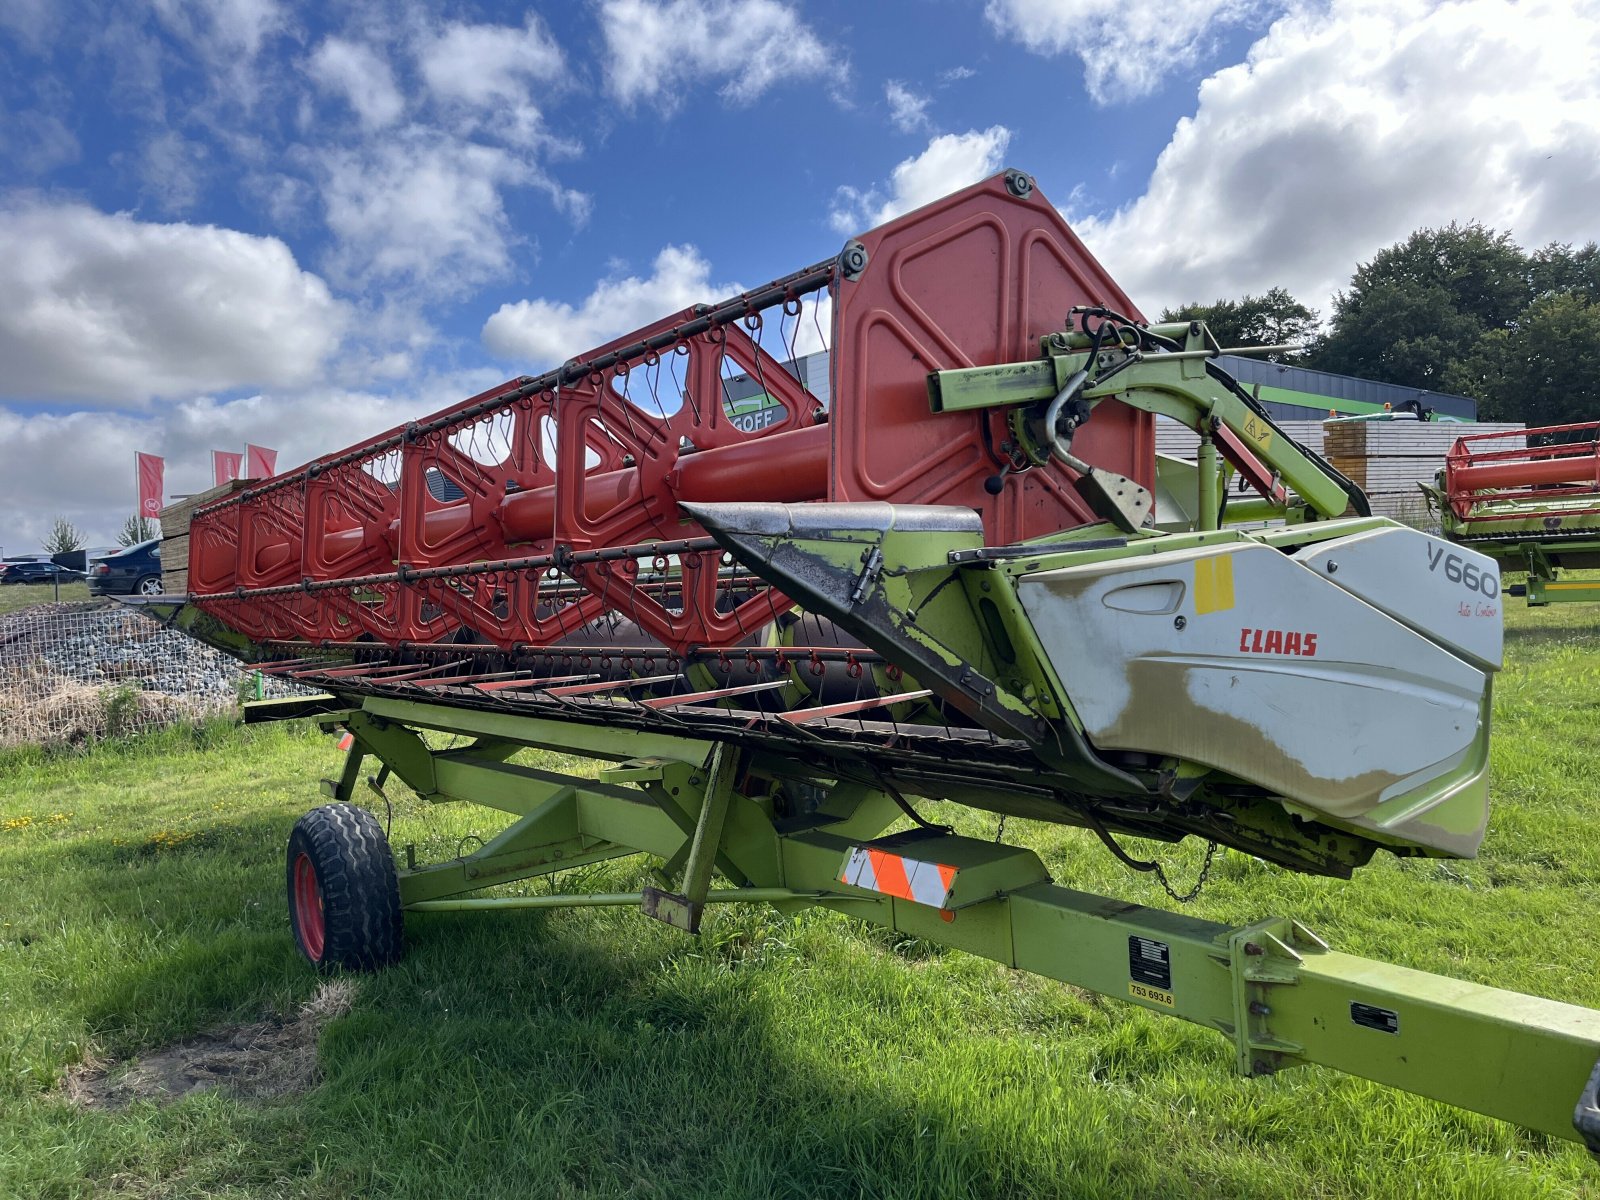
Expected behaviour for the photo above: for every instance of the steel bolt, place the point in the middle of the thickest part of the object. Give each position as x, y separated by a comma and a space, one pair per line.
1180, 622
1259, 1009
1332, 566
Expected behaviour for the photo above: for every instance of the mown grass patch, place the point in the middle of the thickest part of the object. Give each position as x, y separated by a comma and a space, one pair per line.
26, 595
594, 1053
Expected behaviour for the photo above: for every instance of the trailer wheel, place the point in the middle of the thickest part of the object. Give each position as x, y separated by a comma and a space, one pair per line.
344, 896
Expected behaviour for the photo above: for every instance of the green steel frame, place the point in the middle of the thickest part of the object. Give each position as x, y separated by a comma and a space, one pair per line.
1545, 585
780, 835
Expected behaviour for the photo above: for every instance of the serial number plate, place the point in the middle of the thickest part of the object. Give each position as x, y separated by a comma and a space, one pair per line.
1151, 995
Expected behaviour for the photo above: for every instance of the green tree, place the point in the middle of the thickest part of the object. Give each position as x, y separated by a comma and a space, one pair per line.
1560, 268
1419, 307
136, 529
1273, 319
1545, 371
63, 536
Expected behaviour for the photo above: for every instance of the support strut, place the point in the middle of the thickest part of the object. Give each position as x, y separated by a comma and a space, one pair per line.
1280, 995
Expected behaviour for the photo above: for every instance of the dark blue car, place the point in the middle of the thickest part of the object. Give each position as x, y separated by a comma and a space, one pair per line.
134, 571
36, 572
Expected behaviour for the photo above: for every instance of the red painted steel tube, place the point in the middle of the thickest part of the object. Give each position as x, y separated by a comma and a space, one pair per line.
1573, 468
787, 468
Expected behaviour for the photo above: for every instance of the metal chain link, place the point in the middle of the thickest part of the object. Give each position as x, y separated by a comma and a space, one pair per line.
1200, 881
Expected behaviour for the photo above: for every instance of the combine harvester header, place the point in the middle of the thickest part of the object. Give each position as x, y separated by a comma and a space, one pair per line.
947, 582
1531, 501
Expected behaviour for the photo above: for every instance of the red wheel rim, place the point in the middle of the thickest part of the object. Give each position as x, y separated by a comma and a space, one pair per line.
308, 907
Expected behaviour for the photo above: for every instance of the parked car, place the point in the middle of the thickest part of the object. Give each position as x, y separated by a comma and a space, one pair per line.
134, 571
37, 572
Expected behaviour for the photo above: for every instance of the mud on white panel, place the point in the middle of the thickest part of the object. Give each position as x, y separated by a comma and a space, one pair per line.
1244, 659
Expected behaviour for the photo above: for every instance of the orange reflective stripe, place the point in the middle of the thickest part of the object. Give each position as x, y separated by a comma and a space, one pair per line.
895, 875
891, 872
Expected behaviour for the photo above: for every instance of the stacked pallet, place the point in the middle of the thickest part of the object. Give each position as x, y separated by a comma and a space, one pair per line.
1388, 459
1179, 441
175, 534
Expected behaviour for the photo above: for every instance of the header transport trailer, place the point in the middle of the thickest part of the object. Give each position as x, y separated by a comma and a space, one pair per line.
949, 584
1531, 501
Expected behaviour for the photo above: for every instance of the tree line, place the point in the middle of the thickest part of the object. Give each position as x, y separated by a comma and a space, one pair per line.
1462, 309
65, 537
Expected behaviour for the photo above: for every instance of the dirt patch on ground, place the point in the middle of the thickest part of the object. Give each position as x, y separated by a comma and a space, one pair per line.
264, 1061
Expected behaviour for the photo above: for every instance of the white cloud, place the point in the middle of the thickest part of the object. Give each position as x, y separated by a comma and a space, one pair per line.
658, 49
225, 41
362, 76
543, 333
236, 26
33, 22
956, 74
907, 109
424, 204
36, 143
106, 308
950, 163
172, 169
1347, 129
422, 208
1127, 46
80, 464
481, 65
481, 79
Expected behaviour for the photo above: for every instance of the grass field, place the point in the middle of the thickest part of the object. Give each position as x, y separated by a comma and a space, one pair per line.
26, 595
595, 1053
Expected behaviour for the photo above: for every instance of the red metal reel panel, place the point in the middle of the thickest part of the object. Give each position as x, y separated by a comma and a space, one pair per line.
214, 551
479, 460
351, 525
271, 530
973, 279
648, 413
514, 607
645, 413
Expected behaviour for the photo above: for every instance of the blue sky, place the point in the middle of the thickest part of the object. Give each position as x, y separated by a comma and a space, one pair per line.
297, 224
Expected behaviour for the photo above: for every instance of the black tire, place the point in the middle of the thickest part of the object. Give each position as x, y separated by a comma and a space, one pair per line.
344, 896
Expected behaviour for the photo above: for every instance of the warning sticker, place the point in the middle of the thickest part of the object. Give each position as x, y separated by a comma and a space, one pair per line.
1151, 995
1150, 963
1258, 432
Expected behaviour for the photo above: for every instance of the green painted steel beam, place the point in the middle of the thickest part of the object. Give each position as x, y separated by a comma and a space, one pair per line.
1175, 385
612, 900
1273, 989
1562, 591
591, 741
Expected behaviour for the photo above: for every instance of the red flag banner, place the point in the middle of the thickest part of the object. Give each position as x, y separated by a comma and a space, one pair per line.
225, 466
259, 462
152, 468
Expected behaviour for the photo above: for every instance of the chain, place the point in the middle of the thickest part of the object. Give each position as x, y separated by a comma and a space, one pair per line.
1200, 881
1000, 829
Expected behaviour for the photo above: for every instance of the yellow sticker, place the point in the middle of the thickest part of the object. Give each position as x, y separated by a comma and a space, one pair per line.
1258, 432
1150, 995
1213, 584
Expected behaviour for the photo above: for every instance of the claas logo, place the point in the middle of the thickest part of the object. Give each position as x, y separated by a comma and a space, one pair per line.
1277, 641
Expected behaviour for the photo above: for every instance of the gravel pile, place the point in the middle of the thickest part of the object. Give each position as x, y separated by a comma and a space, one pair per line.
70, 672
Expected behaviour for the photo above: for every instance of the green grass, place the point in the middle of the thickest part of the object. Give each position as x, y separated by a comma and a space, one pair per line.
595, 1053
26, 595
